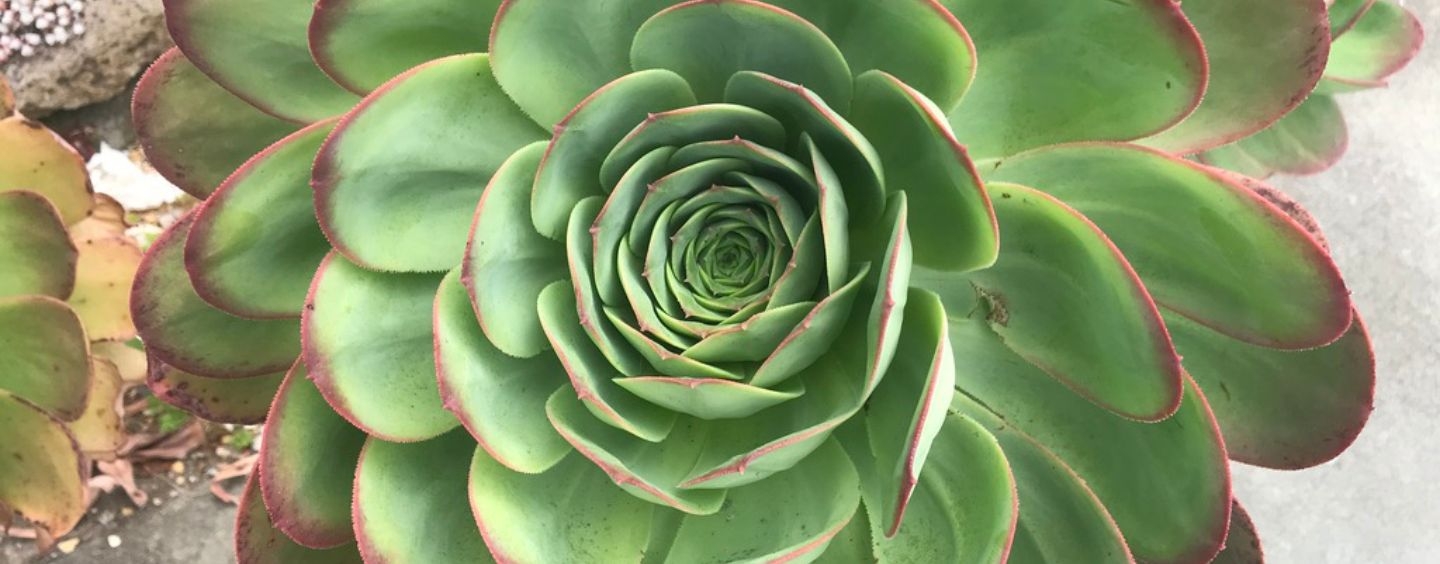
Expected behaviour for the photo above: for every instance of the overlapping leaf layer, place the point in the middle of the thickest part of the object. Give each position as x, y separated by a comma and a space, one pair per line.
733, 280
65, 273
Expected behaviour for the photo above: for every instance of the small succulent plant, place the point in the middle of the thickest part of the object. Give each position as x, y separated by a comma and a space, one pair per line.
1372, 40
731, 280
65, 273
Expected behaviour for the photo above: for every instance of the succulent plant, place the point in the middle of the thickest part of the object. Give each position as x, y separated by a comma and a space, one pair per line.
65, 273
1373, 39
731, 280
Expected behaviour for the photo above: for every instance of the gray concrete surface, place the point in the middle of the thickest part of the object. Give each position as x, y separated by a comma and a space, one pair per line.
1380, 208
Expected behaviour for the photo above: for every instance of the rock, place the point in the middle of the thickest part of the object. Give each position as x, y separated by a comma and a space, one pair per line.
121, 38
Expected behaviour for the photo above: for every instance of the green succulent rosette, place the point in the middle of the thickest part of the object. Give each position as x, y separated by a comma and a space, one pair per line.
65, 271
1372, 40
729, 280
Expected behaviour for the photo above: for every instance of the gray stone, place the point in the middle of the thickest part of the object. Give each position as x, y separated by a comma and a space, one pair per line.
121, 38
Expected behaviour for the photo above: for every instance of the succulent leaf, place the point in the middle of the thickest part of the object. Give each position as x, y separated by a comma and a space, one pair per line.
1381, 42
309, 454
1109, 345
1242, 545
952, 222
260, 51
970, 520
38, 255
99, 431
917, 41
41, 475
240, 401
499, 398
569, 513
194, 132
409, 502
45, 360
105, 269
379, 375
255, 243
182, 330
1282, 409
1206, 245
361, 44
1165, 483
257, 541
741, 35
1308, 140
39, 161
1056, 78
1264, 60
388, 203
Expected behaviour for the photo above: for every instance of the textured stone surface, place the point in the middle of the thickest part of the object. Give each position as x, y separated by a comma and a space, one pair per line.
122, 37
1380, 208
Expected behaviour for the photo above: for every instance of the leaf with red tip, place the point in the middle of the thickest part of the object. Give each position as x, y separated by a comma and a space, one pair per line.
1344, 13
741, 35
591, 375
1060, 520
410, 502
363, 43
1242, 545
241, 401
1385, 39
99, 431
38, 160
1064, 298
804, 113
388, 196
104, 276
650, 471
257, 541
569, 513
706, 398
309, 454
819, 496
1264, 59
1282, 409
1205, 244
507, 263
964, 505
917, 40
193, 131
570, 170
255, 243
183, 330
1076, 71
42, 477
260, 51
499, 398
44, 356
1308, 140
369, 347
908, 408
952, 221
550, 55
1166, 483
38, 256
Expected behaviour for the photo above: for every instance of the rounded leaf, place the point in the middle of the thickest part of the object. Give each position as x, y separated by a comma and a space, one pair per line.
388, 196
380, 373
194, 132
